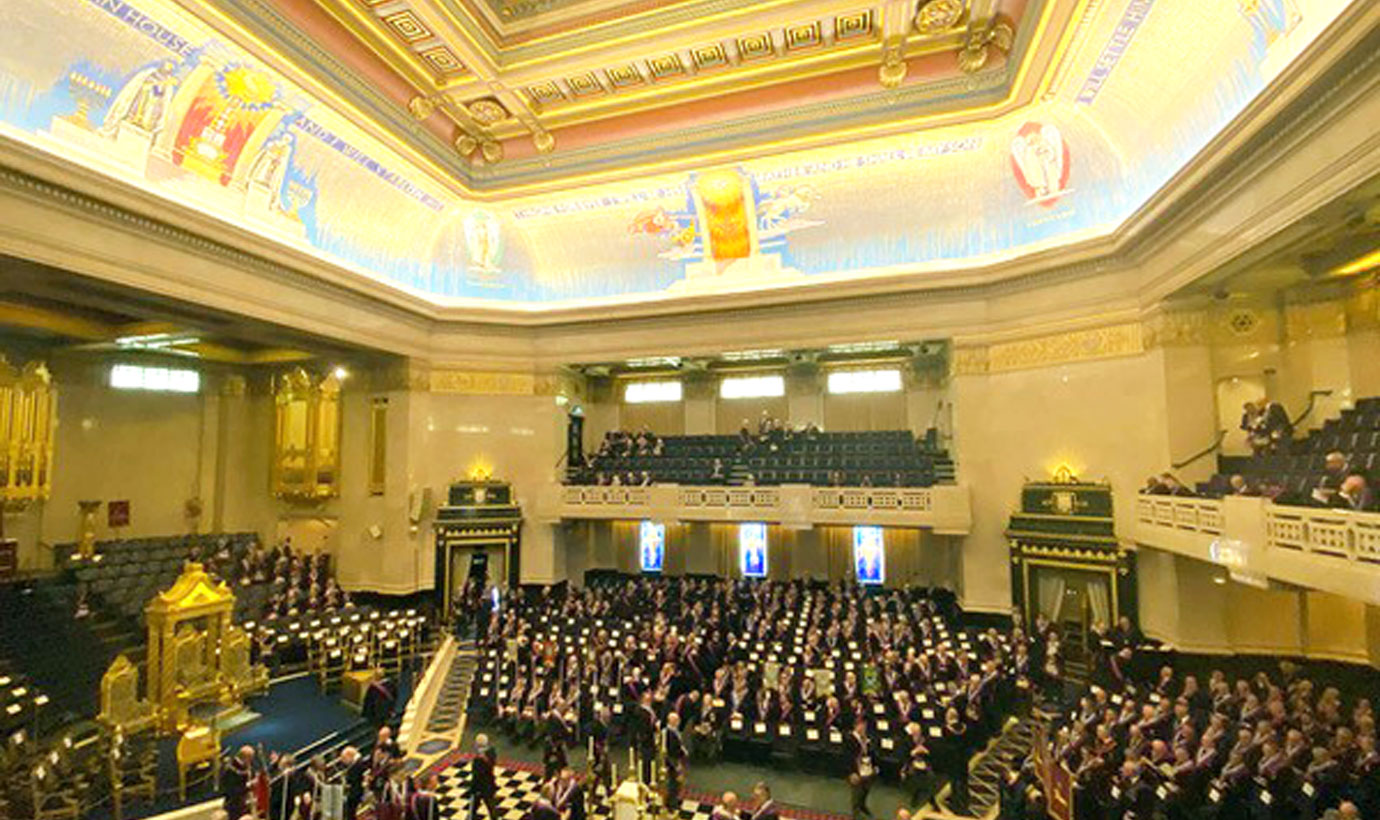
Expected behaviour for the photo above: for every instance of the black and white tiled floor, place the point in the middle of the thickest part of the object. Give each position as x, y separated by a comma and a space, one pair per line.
518, 790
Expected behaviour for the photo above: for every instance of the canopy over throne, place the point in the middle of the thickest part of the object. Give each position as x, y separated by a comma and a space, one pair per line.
189, 633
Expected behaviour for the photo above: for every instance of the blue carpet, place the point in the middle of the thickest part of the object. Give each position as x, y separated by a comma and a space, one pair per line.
293, 714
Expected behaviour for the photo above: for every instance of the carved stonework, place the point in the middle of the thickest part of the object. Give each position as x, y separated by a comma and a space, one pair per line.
483, 383
1315, 320
1177, 329
1074, 346
969, 361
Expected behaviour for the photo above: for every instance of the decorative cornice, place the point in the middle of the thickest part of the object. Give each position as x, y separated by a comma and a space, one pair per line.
483, 383
1176, 329
1062, 348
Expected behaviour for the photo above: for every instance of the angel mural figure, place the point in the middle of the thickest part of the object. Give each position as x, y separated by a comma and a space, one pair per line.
144, 101
483, 241
1040, 160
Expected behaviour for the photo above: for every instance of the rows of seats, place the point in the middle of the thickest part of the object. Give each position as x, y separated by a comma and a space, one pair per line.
880, 458
124, 575
334, 641
1355, 433
20, 700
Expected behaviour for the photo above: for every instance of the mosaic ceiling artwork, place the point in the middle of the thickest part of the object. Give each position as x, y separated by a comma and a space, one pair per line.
543, 156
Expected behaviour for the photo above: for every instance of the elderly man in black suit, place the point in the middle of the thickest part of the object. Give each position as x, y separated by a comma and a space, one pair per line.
1354, 495
483, 779
676, 756
236, 783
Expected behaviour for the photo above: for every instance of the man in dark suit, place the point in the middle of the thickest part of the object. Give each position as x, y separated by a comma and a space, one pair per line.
289, 782
354, 768
570, 795
601, 735
644, 726
766, 806
545, 807
1354, 495
423, 803
557, 737
235, 789
675, 762
1335, 471
483, 780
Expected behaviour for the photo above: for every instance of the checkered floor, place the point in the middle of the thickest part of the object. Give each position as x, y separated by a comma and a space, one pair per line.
518, 790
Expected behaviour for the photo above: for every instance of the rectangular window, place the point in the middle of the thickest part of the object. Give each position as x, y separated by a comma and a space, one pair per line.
869, 555
752, 550
651, 538
865, 381
163, 379
752, 387
649, 392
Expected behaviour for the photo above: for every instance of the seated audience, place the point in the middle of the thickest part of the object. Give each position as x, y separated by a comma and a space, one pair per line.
1335, 471
1174, 750
833, 675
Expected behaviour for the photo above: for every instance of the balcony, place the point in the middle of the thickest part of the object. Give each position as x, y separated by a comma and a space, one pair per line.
943, 509
1331, 550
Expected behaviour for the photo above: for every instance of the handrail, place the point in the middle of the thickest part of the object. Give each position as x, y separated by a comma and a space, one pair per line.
1312, 400
1211, 448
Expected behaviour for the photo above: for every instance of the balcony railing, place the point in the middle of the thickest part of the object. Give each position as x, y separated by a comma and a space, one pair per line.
1192, 514
945, 508
1336, 550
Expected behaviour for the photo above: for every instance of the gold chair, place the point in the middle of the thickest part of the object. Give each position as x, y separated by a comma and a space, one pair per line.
50, 800
131, 777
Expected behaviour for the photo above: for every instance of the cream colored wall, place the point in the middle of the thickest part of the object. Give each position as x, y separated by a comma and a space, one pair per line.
155, 450
518, 438
118, 444
1195, 607
1104, 419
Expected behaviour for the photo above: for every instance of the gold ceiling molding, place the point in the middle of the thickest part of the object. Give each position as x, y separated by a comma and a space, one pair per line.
690, 63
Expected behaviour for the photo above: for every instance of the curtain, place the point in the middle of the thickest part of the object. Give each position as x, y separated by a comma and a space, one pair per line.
1050, 588
1099, 600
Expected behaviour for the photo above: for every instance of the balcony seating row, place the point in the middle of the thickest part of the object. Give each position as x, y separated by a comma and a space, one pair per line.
879, 458
1355, 433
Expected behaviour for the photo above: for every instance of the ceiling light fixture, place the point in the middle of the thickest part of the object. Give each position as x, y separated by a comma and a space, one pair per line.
1360, 264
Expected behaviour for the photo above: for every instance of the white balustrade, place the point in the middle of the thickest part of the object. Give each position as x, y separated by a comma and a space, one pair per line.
1331, 535
896, 506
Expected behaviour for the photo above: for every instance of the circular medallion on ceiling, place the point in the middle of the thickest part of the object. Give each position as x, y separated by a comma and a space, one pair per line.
487, 111
938, 15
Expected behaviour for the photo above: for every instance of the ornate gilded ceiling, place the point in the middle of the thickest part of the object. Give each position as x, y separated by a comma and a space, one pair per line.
531, 92
574, 153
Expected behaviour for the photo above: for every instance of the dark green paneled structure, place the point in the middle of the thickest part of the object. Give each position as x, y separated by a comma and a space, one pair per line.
1066, 528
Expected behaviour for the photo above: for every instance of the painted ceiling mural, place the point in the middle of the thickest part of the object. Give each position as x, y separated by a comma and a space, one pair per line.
145, 92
